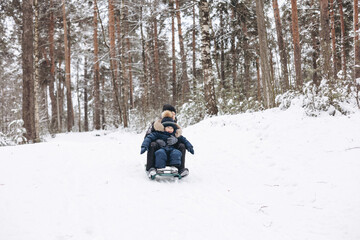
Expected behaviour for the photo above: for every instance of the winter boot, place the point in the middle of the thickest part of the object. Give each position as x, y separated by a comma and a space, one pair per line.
184, 172
151, 172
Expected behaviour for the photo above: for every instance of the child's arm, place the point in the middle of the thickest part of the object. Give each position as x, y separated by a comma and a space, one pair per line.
146, 143
188, 145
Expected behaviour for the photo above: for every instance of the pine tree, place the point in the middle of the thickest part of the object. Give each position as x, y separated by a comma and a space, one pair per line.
296, 43
209, 88
267, 81
70, 112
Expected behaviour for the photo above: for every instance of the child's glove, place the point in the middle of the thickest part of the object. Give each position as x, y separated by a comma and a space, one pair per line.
191, 150
143, 149
161, 143
172, 140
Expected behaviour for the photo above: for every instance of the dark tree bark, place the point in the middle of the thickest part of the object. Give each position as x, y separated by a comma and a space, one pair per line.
282, 48
333, 38
53, 125
325, 42
268, 91
28, 71
86, 104
70, 112
296, 43
343, 52
356, 41
37, 73
174, 82
145, 83
209, 85
96, 70
184, 76
194, 48
113, 62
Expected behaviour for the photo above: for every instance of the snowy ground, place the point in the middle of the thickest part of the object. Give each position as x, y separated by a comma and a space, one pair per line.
271, 175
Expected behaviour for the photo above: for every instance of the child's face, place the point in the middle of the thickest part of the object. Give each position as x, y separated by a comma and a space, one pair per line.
169, 129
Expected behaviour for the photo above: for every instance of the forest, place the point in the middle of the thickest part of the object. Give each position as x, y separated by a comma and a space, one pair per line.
83, 65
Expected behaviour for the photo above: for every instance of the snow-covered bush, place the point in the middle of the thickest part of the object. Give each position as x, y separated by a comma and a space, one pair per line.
4, 141
338, 98
16, 132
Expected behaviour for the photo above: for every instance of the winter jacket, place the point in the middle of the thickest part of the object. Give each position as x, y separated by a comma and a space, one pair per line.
162, 135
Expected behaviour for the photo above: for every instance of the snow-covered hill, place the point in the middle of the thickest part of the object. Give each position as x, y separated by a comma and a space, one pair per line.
268, 175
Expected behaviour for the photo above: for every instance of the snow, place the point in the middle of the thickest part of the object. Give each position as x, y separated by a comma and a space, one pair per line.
266, 175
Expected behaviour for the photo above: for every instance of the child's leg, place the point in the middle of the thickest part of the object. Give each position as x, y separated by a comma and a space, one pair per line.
175, 158
160, 158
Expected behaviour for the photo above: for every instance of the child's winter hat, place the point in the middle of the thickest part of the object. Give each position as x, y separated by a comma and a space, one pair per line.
167, 119
169, 107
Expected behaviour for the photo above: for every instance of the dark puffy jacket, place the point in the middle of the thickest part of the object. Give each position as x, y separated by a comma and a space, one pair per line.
151, 137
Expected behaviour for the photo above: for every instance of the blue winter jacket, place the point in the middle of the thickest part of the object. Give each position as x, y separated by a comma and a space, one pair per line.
164, 136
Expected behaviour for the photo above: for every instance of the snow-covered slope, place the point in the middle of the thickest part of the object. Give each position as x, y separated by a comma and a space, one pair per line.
269, 175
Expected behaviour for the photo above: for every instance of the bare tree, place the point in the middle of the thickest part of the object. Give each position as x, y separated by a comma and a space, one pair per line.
333, 37
268, 91
343, 52
174, 82
209, 88
96, 70
356, 41
36, 75
296, 43
282, 48
325, 42
70, 112
184, 76
53, 126
28, 71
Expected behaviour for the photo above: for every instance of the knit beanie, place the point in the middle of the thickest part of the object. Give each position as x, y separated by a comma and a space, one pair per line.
169, 107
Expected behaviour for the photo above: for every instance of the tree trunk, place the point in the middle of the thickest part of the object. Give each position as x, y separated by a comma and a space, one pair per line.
28, 71
97, 124
222, 52
265, 67
282, 48
174, 82
356, 41
127, 38
70, 113
37, 76
333, 38
113, 62
78, 94
184, 76
209, 82
343, 53
296, 43
145, 64
194, 48
233, 49
86, 118
54, 113
325, 42
157, 65
258, 80
125, 76
247, 60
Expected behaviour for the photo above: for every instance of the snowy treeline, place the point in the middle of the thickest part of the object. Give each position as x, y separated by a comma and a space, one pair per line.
110, 63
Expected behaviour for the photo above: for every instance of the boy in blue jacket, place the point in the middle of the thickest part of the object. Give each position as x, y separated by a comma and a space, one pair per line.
167, 140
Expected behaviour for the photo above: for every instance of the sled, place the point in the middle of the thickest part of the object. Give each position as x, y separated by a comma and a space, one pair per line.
167, 172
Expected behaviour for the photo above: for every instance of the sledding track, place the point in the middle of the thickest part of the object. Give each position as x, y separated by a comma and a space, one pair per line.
250, 175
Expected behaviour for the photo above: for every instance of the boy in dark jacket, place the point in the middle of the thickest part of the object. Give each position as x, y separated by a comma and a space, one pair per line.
168, 139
